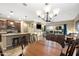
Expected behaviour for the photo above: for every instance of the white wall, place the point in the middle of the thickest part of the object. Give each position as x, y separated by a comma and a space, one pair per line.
70, 25
24, 27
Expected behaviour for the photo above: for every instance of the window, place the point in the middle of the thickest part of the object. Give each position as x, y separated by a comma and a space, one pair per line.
77, 25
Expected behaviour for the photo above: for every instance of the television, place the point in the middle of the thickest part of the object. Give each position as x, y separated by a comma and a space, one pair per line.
38, 26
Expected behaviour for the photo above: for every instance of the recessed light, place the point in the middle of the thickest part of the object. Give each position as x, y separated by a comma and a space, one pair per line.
46, 3
24, 4
11, 12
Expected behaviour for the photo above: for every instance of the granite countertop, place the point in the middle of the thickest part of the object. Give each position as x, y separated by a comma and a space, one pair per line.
10, 34
3, 32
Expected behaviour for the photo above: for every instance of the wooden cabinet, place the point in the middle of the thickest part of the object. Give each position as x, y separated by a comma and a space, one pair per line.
13, 25
18, 27
9, 26
2, 25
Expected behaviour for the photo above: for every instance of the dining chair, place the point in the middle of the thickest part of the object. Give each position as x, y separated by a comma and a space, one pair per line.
77, 50
50, 37
69, 40
61, 40
77, 47
57, 38
70, 49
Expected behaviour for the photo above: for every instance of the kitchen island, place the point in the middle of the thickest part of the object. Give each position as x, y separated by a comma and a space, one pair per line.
8, 37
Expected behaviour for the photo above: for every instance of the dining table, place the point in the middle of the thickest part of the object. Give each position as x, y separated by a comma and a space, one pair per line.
43, 48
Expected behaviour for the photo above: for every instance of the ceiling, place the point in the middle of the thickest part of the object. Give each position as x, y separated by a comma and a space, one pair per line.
68, 11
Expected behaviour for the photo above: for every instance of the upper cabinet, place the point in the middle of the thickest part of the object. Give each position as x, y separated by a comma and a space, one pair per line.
13, 26
18, 26
10, 26
2, 25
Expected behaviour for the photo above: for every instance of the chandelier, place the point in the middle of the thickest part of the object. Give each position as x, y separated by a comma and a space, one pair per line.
47, 14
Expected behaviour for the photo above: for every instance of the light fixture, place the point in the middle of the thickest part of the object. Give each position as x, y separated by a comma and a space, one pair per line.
11, 23
47, 14
11, 13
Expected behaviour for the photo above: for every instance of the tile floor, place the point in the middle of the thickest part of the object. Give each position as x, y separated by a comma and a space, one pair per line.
13, 51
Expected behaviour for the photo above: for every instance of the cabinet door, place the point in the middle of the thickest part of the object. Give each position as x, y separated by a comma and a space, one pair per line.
2, 25
17, 25
9, 41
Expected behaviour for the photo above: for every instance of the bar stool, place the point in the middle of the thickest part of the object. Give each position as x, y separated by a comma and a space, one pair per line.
23, 43
34, 38
15, 41
1, 52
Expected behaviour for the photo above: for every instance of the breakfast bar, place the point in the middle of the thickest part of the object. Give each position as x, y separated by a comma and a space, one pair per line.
7, 39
